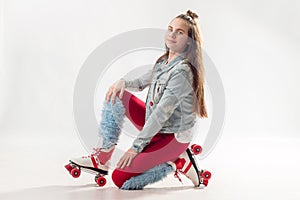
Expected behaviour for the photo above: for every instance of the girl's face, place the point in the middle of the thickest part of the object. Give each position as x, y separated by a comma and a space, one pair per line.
176, 36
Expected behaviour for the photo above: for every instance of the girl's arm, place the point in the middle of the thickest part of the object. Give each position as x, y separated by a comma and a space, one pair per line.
139, 83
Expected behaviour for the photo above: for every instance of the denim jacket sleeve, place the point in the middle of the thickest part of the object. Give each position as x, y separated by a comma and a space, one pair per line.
177, 88
139, 83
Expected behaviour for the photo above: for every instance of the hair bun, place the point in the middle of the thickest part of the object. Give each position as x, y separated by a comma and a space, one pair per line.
191, 14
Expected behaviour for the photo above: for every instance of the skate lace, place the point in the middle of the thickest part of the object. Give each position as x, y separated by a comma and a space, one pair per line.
179, 165
96, 152
176, 175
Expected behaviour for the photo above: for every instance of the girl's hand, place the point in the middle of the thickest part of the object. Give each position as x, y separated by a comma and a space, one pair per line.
114, 89
127, 158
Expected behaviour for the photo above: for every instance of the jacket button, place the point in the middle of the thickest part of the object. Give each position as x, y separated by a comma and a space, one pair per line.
151, 103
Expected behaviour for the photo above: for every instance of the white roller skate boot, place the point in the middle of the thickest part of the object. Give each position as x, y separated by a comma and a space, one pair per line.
97, 161
187, 164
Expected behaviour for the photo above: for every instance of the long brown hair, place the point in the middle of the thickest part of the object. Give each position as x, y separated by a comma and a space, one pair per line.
193, 53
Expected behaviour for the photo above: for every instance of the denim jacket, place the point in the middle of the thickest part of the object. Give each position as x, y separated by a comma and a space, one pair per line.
169, 103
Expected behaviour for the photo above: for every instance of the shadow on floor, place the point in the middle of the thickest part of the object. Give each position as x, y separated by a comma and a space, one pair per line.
90, 191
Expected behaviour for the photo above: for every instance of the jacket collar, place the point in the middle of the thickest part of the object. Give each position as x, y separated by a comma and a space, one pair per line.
172, 63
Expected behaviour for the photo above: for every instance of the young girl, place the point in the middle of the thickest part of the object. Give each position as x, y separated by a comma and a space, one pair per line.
175, 98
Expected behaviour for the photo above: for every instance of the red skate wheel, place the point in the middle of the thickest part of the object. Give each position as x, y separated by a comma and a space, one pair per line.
206, 175
205, 182
196, 149
68, 167
75, 172
101, 181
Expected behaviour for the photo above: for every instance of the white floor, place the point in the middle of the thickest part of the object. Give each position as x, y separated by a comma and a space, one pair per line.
33, 168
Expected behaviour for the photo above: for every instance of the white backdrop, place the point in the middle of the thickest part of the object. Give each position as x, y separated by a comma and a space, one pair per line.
254, 44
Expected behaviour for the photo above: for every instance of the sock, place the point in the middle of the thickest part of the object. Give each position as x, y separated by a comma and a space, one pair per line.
153, 175
111, 122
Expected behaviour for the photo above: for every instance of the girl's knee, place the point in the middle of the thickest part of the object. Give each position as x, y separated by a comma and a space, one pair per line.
119, 177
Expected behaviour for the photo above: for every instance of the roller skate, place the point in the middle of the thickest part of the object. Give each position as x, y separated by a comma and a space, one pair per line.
96, 163
186, 164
